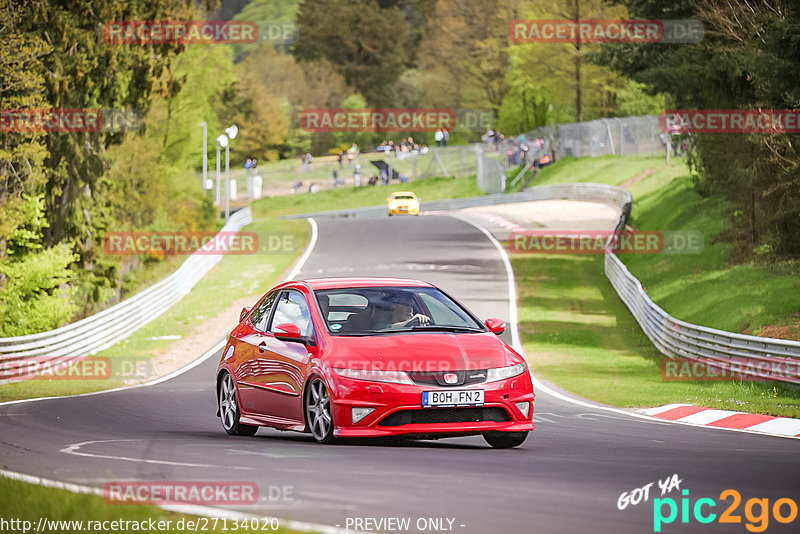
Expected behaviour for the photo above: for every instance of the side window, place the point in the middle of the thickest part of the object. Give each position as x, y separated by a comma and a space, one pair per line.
261, 313
292, 308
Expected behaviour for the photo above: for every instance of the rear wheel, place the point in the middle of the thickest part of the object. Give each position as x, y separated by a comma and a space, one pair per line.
505, 440
318, 411
229, 409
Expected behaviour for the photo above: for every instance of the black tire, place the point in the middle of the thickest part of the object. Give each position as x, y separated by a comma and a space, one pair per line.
317, 407
229, 409
505, 440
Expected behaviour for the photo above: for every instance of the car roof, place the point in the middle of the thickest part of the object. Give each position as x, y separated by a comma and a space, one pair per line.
354, 281
403, 193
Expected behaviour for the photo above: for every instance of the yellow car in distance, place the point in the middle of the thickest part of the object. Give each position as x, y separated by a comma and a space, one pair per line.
403, 203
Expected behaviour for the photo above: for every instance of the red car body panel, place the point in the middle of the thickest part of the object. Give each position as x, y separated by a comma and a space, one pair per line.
270, 374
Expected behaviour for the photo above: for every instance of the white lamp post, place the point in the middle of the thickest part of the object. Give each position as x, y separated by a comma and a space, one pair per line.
230, 133
222, 140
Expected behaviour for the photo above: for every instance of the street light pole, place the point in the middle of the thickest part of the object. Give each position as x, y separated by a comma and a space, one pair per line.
227, 183
230, 133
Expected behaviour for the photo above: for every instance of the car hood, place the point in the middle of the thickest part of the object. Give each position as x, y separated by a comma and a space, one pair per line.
421, 352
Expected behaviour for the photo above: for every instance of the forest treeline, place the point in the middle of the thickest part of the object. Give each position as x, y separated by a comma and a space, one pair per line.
61, 192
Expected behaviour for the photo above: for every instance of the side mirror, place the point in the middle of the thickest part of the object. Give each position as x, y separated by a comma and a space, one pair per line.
289, 332
497, 326
244, 312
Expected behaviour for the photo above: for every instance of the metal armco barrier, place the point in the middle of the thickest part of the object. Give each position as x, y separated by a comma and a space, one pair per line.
102, 330
740, 354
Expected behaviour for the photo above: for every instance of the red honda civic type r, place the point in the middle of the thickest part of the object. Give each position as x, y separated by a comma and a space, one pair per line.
367, 357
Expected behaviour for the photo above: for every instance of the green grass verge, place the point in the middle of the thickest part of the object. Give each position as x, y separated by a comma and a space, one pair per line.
579, 335
356, 197
26, 502
233, 277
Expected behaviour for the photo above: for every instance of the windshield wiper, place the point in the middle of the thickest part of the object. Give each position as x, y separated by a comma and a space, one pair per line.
446, 328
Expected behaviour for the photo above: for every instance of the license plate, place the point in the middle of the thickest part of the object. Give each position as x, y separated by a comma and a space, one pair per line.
402, 209
452, 397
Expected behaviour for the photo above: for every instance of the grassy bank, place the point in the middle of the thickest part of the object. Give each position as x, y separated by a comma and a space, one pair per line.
26, 502
579, 335
356, 197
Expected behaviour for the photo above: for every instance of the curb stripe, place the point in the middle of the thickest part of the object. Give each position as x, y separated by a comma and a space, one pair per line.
741, 420
679, 413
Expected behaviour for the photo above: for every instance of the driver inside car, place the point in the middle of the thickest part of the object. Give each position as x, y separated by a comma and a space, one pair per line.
403, 314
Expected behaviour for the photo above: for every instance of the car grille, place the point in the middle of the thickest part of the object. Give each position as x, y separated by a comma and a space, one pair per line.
465, 378
446, 415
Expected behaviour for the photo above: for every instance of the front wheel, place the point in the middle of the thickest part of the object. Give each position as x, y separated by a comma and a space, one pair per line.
318, 411
229, 409
505, 440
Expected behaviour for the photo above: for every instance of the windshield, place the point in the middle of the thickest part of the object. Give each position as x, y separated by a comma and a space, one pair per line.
382, 310
403, 197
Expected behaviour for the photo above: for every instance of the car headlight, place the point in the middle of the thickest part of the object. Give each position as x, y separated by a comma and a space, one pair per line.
397, 377
501, 373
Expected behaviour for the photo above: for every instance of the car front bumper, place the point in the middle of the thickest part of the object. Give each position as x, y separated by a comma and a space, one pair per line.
398, 409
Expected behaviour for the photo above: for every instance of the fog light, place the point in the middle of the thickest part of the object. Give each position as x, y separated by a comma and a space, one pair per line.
361, 413
524, 407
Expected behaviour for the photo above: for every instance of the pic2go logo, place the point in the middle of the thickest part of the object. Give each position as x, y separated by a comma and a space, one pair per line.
783, 511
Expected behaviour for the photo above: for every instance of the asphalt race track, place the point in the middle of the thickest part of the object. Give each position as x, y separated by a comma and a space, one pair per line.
567, 477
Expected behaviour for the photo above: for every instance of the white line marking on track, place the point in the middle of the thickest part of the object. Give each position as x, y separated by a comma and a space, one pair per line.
74, 449
312, 242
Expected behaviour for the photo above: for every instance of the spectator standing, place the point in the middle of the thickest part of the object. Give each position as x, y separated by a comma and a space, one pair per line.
438, 136
340, 158
247, 166
357, 176
309, 160
445, 137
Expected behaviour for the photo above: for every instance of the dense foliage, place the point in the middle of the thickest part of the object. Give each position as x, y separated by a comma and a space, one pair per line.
61, 192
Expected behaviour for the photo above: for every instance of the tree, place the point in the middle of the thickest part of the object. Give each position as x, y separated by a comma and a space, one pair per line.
745, 60
368, 45
84, 71
465, 58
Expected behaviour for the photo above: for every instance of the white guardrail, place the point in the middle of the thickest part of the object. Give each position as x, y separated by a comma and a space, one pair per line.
88, 336
731, 353
737, 354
